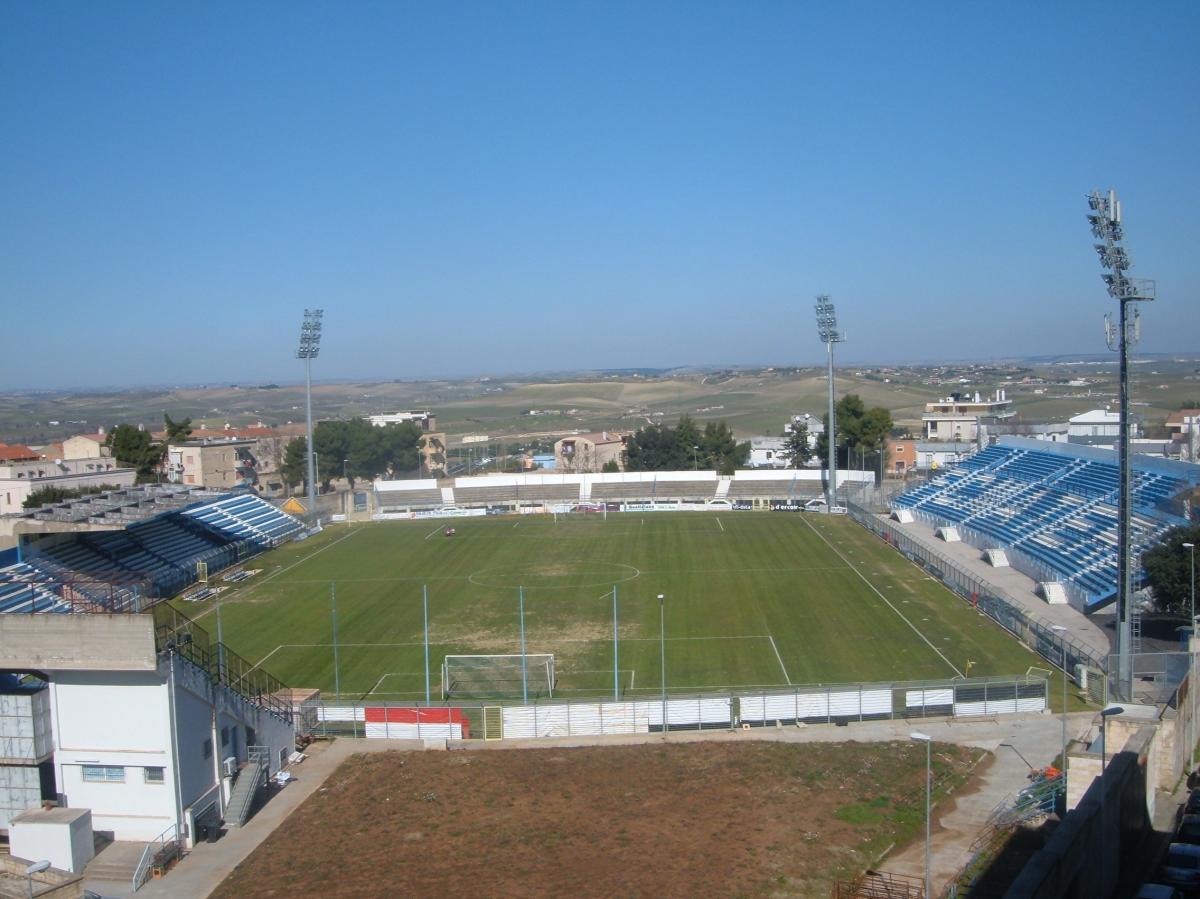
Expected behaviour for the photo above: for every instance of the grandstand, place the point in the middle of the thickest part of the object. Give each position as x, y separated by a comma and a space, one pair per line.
156, 557
1053, 508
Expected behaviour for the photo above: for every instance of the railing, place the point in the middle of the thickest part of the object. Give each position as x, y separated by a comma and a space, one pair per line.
1035, 633
160, 844
175, 631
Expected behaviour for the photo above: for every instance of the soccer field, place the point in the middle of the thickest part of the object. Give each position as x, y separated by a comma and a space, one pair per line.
751, 599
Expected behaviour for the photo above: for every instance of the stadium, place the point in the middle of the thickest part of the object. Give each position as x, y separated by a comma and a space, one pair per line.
496, 608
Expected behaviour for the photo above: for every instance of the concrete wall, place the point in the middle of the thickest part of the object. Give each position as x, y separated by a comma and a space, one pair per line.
1083, 858
50, 884
77, 642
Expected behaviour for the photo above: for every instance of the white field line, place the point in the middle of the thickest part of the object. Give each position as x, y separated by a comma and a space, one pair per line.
463, 577
250, 588
516, 525
434, 531
779, 659
721, 526
852, 567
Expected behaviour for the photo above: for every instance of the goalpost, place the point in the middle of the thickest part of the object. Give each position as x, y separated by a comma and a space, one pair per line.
498, 676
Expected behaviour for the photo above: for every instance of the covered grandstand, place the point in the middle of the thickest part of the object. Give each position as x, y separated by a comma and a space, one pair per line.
128, 568
1053, 508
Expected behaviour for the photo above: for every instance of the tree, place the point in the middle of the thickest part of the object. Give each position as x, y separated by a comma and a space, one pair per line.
133, 448
47, 495
723, 452
294, 467
1168, 567
610, 467
797, 448
859, 431
176, 431
652, 448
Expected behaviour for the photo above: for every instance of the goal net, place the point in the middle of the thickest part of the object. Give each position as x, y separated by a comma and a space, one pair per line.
498, 676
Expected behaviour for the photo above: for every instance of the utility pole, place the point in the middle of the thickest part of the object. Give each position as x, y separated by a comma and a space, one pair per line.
827, 330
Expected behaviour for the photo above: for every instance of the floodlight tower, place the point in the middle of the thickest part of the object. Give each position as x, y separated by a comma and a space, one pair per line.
310, 346
1105, 219
828, 331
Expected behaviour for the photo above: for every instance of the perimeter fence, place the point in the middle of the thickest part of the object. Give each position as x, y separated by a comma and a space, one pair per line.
745, 708
1038, 634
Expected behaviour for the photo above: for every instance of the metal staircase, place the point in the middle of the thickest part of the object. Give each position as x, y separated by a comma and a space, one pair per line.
252, 776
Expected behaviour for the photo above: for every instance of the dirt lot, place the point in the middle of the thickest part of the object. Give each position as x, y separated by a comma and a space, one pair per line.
696, 819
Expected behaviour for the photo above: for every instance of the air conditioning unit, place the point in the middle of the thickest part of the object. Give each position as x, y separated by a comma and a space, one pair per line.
229, 766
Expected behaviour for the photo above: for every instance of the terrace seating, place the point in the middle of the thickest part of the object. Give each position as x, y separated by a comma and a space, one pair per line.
1052, 508
247, 517
19, 594
781, 488
403, 499
484, 496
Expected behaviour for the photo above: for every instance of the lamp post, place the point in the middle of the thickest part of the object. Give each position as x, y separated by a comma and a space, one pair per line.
695, 460
344, 477
316, 457
310, 347
928, 741
827, 330
662, 655
1062, 646
35, 868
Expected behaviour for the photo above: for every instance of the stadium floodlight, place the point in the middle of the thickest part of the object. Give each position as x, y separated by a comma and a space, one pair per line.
827, 330
1105, 221
310, 347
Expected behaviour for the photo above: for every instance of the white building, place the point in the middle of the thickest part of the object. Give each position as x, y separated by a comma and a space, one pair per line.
1096, 423
423, 418
958, 417
142, 736
769, 452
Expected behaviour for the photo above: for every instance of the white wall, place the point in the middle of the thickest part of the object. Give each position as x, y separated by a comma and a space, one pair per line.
114, 719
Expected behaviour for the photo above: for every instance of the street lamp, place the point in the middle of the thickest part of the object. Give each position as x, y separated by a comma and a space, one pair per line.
928, 741
1062, 646
1192, 606
662, 653
35, 868
695, 460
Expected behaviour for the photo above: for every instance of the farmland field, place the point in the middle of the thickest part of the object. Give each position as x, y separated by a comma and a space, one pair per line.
762, 599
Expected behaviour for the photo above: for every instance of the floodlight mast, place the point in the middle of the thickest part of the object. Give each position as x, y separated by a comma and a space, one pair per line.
1105, 220
827, 330
310, 346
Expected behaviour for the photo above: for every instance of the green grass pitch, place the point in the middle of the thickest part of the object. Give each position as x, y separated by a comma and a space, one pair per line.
751, 599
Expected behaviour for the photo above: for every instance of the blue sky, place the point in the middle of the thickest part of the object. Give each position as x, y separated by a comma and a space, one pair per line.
505, 187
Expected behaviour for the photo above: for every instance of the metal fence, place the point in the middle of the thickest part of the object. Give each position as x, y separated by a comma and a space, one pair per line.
1037, 634
816, 704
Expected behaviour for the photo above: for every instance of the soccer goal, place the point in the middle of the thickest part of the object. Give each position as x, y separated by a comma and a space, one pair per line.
498, 676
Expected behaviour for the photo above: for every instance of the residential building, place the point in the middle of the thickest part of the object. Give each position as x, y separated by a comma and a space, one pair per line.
769, 452
590, 452
21, 477
901, 456
423, 418
218, 463
1184, 427
86, 446
958, 417
1096, 423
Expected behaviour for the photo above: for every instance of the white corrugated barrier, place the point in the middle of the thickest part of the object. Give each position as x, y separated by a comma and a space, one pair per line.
596, 718
816, 705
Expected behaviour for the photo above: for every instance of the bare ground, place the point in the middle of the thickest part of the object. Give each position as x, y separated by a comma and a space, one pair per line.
696, 819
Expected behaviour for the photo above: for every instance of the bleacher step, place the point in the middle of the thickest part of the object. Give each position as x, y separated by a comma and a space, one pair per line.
1053, 592
997, 558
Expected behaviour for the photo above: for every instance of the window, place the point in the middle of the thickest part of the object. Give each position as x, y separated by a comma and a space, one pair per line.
224, 736
104, 774
152, 775
208, 748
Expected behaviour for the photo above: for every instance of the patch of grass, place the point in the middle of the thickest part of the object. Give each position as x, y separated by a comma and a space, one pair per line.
759, 601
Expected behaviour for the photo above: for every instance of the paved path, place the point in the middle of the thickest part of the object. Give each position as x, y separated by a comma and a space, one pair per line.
1038, 737
1017, 587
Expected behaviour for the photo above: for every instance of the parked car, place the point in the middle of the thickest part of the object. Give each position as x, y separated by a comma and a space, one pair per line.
1181, 868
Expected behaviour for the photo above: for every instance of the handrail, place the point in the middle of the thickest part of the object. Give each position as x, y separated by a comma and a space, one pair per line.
143, 869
